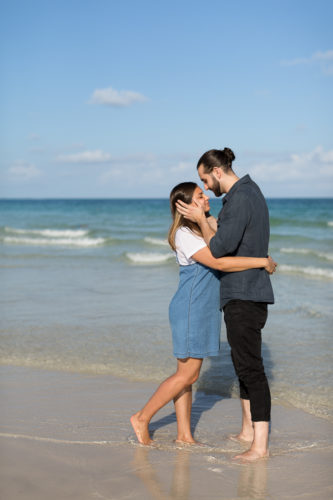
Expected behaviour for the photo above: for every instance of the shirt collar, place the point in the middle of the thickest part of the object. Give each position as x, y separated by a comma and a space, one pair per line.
231, 192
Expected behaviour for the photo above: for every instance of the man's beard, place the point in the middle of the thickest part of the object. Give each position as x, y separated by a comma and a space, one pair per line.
216, 188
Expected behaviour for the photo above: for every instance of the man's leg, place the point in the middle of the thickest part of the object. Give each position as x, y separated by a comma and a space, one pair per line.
244, 321
247, 433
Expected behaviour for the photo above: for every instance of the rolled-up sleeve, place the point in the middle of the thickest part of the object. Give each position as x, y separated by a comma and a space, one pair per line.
235, 217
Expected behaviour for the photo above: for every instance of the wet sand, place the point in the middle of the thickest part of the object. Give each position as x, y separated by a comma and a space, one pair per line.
68, 436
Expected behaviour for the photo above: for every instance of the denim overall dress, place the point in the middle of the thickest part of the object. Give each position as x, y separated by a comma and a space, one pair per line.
194, 312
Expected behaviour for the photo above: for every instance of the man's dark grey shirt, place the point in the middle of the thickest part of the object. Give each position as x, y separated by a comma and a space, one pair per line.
243, 230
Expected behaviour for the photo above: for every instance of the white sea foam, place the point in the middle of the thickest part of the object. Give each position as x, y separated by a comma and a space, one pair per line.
296, 250
149, 258
52, 440
156, 241
330, 223
308, 271
308, 251
65, 242
53, 233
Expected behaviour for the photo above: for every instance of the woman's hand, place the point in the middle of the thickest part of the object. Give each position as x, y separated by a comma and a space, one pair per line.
271, 265
195, 212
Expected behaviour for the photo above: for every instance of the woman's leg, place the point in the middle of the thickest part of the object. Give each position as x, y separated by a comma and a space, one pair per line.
183, 407
187, 373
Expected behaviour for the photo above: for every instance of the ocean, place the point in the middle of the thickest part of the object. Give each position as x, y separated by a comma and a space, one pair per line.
86, 286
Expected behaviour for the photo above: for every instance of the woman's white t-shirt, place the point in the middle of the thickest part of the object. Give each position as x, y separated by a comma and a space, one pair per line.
187, 244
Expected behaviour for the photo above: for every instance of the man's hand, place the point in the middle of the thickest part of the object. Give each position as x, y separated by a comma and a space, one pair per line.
191, 212
271, 265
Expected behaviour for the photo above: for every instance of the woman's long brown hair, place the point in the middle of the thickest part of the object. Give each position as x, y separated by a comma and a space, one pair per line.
184, 192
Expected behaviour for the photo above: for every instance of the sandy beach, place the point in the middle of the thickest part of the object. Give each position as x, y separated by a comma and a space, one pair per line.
67, 436
110, 109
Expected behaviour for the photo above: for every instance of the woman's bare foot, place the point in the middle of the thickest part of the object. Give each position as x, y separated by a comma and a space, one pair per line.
188, 442
141, 429
252, 455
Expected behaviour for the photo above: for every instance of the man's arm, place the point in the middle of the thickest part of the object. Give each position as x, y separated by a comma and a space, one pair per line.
236, 214
229, 234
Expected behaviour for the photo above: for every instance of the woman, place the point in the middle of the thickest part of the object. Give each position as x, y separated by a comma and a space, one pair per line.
194, 312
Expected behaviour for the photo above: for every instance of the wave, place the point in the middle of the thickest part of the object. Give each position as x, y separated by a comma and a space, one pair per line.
53, 233
295, 240
65, 242
50, 237
304, 310
308, 271
156, 241
52, 440
289, 221
308, 251
149, 258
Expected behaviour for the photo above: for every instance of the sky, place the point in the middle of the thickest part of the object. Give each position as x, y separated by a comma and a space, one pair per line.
109, 99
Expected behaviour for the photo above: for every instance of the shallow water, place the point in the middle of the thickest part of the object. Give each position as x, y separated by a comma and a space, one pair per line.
68, 435
86, 288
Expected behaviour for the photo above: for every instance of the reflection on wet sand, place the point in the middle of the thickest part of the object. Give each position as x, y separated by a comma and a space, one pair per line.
180, 483
252, 479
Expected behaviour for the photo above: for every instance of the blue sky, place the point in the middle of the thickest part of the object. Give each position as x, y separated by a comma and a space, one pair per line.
120, 98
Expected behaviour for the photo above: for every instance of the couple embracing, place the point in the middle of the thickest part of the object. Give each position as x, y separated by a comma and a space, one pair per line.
223, 265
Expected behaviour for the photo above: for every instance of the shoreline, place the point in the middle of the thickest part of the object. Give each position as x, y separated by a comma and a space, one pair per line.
65, 435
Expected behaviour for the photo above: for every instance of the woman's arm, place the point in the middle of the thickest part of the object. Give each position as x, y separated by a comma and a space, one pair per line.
233, 264
212, 222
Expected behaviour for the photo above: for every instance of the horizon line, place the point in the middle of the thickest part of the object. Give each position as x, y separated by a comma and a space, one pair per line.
56, 198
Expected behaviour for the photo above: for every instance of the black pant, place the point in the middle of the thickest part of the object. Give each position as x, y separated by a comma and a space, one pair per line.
244, 320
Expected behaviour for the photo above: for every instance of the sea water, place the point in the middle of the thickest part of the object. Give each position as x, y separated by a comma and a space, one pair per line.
86, 284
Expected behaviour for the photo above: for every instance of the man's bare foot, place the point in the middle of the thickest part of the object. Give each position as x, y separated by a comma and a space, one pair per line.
240, 439
141, 430
252, 455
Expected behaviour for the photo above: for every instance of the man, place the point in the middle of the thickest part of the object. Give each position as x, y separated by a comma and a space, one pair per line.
242, 230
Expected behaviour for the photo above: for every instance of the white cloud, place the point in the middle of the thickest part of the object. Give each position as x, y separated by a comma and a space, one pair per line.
136, 158
110, 175
325, 59
300, 174
96, 156
146, 174
326, 157
183, 166
278, 173
132, 170
23, 171
118, 98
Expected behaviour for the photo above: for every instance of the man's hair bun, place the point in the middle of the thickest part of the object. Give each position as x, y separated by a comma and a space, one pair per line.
221, 158
229, 155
